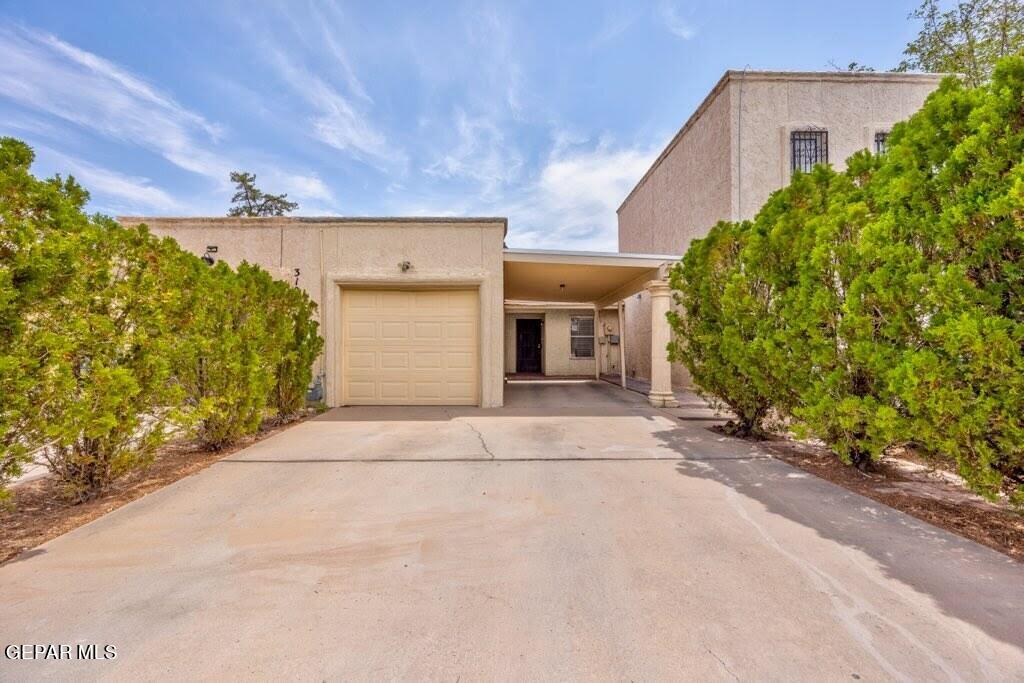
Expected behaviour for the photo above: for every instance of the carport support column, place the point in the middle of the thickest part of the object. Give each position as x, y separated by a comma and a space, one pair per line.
661, 395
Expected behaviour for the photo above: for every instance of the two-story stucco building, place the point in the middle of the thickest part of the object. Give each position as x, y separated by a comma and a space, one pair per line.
740, 145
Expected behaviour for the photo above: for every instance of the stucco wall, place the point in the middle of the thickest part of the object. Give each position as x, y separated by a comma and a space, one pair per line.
365, 252
684, 193
556, 359
734, 152
766, 108
688, 190
608, 352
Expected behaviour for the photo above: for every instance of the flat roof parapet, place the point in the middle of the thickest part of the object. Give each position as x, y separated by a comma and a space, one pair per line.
285, 221
317, 219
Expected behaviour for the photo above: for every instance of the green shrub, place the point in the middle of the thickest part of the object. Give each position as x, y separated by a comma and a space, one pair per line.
295, 317
775, 265
39, 221
882, 305
945, 266
717, 320
835, 386
117, 400
228, 366
112, 340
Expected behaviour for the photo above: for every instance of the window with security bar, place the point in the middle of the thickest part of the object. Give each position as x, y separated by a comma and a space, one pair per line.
581, 337
881, 141
810, 147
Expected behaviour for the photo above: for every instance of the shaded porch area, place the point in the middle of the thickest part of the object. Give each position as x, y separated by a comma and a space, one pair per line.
564, 315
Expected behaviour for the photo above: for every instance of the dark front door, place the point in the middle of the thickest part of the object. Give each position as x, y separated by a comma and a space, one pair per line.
528, 345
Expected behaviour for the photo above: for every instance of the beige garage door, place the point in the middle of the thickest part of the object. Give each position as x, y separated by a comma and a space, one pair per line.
409, 347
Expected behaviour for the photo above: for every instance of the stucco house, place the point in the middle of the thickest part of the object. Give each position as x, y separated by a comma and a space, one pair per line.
436, 311
740, 145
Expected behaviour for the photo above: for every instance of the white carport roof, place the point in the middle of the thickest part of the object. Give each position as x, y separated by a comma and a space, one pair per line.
590, 277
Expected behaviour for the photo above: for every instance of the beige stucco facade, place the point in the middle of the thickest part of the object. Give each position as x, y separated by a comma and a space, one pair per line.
416, 310
734, 151
325, 256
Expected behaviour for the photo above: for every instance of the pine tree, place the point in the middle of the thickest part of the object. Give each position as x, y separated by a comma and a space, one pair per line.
249, 200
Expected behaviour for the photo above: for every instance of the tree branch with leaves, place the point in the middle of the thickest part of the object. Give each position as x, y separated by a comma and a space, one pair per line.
967, 39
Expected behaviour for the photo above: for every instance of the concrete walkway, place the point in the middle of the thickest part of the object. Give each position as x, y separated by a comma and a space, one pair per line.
575, 534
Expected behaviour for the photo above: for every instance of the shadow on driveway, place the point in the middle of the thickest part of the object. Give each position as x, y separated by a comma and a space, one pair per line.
966, 581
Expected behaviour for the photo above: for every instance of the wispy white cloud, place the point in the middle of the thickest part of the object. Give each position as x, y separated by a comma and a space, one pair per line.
479, 57
111, 190
43, 73
675, 24
53, 78
617, 20
573, 202
492, 46
134, 86
336, 121
480, 154
569, 203
309, 57
326, 27
304, 187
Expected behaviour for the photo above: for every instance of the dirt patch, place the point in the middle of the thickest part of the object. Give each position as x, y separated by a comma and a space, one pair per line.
40, 514
908, 485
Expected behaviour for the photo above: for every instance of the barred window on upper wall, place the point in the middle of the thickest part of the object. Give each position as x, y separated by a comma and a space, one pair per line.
881, 141
581, 337
809, 148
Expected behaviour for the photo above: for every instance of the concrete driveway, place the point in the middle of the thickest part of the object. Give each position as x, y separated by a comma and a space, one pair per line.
574, 534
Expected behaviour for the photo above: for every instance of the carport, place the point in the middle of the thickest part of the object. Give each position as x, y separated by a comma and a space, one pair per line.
598, 281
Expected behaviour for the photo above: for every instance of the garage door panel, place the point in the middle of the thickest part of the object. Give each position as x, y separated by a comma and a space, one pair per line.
426, 360
427, 331
357, 299
393, 331
462, 298
427, 301
426, 391
394, 390
392, 360
410, 347
361, 360
460, 331
461, 390
361, 390
358, 330
459, 360
395, 300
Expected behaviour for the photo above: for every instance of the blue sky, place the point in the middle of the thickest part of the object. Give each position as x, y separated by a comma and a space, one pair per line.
544, 112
